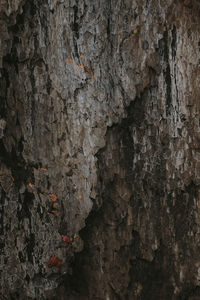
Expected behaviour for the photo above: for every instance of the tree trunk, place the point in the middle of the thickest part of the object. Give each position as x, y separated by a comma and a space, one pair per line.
99, 149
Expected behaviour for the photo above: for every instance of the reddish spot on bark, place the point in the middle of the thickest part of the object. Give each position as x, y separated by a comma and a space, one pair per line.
82, 67
54, 212
12, 178
53, 197
88, 70
65, 239
31, 185
54, 261
69, 61
187, 2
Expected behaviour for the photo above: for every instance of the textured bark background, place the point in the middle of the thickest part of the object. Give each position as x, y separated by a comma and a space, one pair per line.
100, 107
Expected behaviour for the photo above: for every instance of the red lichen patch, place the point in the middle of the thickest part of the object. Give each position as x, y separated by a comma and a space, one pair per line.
82, 67
54, 261
68, 60
65, 239
187, 2
53, 197
88, 70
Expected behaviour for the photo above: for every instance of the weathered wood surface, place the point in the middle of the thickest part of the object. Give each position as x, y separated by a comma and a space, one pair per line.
99, 149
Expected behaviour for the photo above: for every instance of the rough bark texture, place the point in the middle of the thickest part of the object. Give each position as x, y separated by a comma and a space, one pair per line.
100, 107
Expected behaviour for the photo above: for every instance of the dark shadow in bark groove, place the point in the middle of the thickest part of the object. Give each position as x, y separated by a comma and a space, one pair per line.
100, 220
95, 274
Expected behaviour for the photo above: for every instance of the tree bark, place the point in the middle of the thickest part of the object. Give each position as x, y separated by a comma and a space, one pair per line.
99, 149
